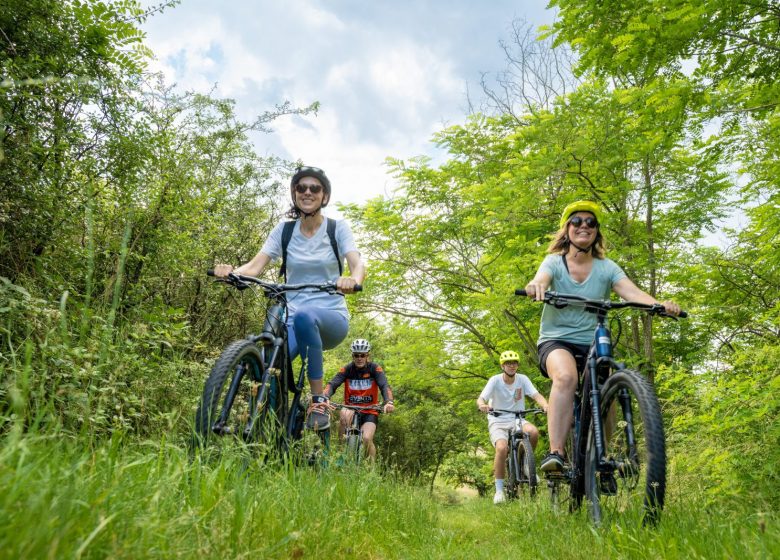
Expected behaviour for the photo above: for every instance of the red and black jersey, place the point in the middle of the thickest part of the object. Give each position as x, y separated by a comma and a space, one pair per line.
361, 385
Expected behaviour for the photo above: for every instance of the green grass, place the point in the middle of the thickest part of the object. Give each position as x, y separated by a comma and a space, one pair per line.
65, 498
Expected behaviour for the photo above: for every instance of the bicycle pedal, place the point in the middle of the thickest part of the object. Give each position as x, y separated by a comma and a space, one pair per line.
222, 430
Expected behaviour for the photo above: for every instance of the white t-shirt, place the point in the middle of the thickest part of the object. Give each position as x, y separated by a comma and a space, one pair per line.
311, 260
507, 397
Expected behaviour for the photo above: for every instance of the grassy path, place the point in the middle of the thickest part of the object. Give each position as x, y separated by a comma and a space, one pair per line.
67, 499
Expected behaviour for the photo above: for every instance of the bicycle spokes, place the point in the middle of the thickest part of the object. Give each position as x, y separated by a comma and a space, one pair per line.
633, 480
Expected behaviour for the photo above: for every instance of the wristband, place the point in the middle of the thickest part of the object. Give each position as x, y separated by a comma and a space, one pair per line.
319, 399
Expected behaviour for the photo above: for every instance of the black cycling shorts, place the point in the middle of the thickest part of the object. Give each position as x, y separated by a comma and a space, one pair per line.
365, 417
579, 351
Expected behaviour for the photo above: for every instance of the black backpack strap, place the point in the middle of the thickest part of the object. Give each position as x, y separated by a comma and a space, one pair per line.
333, 243
286, 236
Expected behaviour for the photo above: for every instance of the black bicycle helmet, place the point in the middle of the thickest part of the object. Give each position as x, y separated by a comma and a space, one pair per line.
317, 173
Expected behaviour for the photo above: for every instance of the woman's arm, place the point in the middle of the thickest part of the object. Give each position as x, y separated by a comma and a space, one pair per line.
536, 287
357, 270
629, 291
254, 267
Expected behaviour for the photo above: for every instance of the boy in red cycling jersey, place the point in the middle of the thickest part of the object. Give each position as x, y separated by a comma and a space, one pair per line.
363, 380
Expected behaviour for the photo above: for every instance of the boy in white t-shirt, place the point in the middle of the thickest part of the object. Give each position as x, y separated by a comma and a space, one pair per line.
507, 391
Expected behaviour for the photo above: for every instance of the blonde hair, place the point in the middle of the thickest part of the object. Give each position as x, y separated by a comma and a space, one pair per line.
561, 242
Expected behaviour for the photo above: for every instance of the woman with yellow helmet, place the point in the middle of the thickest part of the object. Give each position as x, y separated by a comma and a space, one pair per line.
507, 391
576, 265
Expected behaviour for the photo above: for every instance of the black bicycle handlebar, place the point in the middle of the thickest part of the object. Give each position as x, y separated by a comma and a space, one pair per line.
500, 411
376, 408
241, 282
562, 300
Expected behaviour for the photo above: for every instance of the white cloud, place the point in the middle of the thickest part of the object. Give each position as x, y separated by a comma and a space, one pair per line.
356, 170
308, 14
387, 76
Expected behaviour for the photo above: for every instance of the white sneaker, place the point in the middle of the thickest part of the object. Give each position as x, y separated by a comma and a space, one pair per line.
500, 497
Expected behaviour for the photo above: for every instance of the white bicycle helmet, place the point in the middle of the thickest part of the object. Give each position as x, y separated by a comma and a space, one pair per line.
360, 346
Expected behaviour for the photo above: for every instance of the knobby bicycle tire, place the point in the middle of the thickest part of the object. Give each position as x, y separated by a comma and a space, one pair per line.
241, 361
511, 482
638, 486
526, 464
354, 445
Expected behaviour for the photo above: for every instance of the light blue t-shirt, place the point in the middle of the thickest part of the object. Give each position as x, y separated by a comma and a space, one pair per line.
311, 260
572, 323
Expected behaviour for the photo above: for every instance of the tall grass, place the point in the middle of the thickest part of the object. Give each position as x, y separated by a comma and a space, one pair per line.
69, 498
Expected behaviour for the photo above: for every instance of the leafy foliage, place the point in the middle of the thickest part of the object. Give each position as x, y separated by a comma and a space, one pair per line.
118, 192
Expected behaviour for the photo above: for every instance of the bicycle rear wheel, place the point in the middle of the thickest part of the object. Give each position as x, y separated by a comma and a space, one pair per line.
632, 484
239, 403
526, 465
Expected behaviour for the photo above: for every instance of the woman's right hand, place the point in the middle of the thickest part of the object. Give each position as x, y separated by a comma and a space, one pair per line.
536, 289
222, 270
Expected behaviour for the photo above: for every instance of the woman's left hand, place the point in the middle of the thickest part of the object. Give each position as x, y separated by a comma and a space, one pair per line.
671, 308
346, 284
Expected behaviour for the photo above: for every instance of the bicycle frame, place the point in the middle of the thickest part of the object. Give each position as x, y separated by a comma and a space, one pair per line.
599, 368
516, 436
354, 428
273, 383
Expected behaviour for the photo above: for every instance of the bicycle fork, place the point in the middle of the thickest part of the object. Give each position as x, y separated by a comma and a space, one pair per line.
625, 404
595, 410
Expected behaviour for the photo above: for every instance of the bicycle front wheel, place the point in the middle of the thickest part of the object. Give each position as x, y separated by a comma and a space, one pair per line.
526, 464
631, 483
354, 447
239, 402
512, 469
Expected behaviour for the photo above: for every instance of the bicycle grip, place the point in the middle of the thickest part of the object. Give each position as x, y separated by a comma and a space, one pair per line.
683, 314
521, 292
358, 288
210, 272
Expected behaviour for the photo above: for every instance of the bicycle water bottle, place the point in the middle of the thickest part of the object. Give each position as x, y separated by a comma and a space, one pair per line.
603, 342
273, 319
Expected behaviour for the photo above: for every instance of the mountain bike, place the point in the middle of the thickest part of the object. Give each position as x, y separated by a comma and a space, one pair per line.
246, 397
616, 451
352, 434
520, 459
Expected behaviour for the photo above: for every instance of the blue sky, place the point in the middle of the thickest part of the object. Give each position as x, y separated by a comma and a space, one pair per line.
387, 74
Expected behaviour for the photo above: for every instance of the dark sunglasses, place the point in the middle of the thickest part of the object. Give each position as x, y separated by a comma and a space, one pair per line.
577, 221
314, 189
360, 355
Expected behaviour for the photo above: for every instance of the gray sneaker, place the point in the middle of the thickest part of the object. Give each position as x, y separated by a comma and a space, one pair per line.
552, 462
318, 420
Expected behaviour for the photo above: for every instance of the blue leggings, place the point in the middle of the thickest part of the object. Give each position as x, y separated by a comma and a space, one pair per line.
312, 330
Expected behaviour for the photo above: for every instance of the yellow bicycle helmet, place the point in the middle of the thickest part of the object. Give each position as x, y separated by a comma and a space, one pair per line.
580, 206
508, 356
